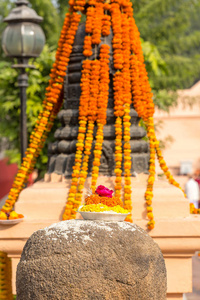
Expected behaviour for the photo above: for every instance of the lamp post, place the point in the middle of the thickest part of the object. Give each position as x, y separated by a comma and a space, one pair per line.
23, 38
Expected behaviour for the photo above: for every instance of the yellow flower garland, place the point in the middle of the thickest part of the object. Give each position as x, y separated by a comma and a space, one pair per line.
72, 203
130, 80
5, 277
126, 118
102, 108
51, 106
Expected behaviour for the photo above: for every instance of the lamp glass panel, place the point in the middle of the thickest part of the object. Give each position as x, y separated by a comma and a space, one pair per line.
28, 38
11, 41
39, 39
23, 40
33, 39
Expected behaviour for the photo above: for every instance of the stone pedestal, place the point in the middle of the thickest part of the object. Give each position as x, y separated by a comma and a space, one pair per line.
79, 259
176, 231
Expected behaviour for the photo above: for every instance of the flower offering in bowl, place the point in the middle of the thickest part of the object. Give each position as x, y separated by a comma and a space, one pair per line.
10, 218
103, 206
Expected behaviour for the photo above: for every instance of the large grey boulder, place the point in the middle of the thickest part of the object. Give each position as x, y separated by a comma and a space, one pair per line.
80, 260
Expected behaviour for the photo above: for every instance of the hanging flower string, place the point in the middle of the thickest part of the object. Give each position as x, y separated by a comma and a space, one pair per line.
51, 106
126, 118
72, 203
88, 29
97, 23
92, 116
151, 178
103, 96
117, 91
5, 277
143, 104
102, 103
163, 163
80, 171
93, 29
130, 80
106, 20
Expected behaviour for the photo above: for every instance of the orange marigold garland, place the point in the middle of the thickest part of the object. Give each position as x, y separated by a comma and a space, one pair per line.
89, 19
5, 277
143, 103
126, 118
117, 36
51, 105
127, 8
106, 20
117, 87
87, 47
194, 210
106, 25
109, 201
118, 156
130, 78
135, 43
92, 115
79, 5
151, 178
136, 85
117, 91
102, 108
164, 166
97, 23
72, 203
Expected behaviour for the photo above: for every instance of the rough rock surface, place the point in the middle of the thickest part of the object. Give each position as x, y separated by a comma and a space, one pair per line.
78, 260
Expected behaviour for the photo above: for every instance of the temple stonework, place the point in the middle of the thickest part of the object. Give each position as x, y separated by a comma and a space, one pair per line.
62, 151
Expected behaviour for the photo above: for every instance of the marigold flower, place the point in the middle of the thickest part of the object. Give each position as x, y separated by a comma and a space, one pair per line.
130, 81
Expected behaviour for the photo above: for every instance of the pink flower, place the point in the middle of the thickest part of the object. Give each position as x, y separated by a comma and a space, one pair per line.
103, 191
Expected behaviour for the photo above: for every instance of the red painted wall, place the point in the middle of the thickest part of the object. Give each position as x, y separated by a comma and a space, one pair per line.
7, 174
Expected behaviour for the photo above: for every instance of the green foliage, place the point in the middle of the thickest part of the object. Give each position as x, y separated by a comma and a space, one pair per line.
170, 32
157, 67
10, 103
52, 21
5, 8
62, 6
173, 26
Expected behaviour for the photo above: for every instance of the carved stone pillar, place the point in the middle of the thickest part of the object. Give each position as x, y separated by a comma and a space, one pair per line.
62, 151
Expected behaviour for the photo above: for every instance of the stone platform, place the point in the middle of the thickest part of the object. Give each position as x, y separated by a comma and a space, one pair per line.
195, 295
176, 231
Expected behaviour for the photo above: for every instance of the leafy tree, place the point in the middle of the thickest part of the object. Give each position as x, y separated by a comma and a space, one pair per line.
38, 80
52, 21
53, 17
173, 26
62, 7
5, 8
170, 34
156, 67
10, 103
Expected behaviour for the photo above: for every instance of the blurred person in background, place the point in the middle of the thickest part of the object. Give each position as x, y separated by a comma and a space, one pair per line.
192, 190
197, 179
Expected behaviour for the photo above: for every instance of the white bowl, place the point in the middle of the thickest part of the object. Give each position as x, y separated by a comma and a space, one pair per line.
104, 216
11, 222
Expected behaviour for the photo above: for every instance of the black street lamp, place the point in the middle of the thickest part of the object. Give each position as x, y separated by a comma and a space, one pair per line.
23, 38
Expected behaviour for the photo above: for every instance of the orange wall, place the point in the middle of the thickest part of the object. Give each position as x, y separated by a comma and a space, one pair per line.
183, 125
